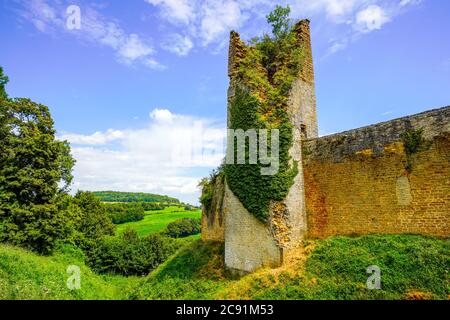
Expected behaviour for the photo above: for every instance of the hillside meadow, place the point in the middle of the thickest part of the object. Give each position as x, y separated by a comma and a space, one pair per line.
413, 267
157, 221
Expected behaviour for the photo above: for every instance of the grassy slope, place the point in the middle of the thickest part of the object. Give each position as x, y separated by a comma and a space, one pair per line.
412, 266
156, 221
27, 276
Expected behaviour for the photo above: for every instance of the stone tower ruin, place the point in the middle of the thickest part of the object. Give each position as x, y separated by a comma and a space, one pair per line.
250, 244
392, 177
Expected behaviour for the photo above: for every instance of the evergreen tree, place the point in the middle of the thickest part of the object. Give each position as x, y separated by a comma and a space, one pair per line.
3, 81
32, 165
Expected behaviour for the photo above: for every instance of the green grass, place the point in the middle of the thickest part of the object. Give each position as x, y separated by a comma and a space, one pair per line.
157, 221
27, 276
411, 266
336, 269
194, 273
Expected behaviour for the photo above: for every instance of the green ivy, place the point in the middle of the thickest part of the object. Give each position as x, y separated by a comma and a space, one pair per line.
262, 88
207, 186
413, 142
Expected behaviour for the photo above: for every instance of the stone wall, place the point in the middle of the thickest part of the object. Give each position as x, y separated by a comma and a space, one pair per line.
213, 223
362, 181
249, 244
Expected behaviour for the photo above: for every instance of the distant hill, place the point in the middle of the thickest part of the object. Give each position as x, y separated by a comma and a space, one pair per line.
114, 196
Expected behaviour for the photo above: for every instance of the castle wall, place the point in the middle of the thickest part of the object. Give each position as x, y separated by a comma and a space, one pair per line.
213, 224
356, 182
249, 244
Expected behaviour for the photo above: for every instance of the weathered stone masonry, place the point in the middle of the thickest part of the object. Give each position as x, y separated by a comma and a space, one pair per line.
357, 182
353, 183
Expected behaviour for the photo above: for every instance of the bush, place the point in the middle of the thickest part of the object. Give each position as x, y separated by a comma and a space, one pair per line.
153, 206
129, 254
125, 212
183, 228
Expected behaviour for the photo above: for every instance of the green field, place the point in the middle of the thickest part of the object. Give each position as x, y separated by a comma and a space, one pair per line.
157, 221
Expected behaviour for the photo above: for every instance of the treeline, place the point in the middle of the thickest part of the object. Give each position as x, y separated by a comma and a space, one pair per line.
114, 196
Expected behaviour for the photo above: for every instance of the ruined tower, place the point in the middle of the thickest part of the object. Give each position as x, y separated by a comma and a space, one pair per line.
249, 243
391, 177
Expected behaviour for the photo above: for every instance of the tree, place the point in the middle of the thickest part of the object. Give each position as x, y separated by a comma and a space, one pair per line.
280, 22
95, 222
3, 81
32, 165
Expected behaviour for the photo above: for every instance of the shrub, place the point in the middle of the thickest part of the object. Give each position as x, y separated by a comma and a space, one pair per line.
129, 254
183, 228
125, 212
153, 206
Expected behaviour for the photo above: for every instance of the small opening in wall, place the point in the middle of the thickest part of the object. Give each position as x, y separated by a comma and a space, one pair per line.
303, 131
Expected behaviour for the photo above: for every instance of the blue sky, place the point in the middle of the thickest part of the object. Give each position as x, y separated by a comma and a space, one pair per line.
142, 79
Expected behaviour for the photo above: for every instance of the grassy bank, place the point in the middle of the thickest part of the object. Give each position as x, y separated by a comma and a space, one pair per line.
412, 267
27, 276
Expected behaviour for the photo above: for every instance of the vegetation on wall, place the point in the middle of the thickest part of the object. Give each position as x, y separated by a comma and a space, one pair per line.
262, 86
413, 142
208, 186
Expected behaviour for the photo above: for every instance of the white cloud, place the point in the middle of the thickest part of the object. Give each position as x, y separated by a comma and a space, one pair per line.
168, 156
133, 48
335, 10
178, 44
371, 18
50, 16
177, 11
97, 138
360, 17
162, 116
404, 3
337, 46
218, 18
208, 21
